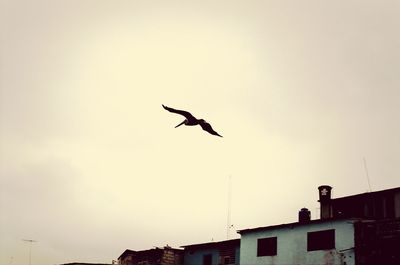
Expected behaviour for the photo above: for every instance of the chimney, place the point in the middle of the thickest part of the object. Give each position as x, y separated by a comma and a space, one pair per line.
304, 215
325, 201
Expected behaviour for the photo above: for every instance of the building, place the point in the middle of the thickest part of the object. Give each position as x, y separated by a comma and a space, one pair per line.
361, 229
306, 242
213, 253
377, 236
155, 256
376, 205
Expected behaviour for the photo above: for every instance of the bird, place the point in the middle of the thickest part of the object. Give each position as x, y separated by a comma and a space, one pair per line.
190, 120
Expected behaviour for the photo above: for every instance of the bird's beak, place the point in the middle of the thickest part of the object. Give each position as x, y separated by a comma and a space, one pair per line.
179, 124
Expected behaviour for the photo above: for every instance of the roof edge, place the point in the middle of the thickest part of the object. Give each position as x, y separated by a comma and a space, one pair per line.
229, 241
317, 221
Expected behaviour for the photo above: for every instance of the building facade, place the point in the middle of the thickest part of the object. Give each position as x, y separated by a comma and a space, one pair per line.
156, 256
378, 242
377, 235
213, 253
313, 242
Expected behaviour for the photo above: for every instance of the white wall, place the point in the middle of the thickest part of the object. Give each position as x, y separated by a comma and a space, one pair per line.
292, 245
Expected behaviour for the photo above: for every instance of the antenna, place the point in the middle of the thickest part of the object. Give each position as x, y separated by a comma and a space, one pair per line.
228, 221
366, 173
30, 247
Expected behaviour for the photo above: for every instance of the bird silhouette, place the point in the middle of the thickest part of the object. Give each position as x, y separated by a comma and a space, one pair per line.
190, 120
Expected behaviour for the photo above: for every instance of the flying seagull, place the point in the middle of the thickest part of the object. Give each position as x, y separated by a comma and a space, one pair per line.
190, 120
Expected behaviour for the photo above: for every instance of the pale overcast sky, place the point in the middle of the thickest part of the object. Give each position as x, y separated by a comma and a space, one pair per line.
92, 165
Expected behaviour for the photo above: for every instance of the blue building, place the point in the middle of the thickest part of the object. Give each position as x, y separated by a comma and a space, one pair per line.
213, 253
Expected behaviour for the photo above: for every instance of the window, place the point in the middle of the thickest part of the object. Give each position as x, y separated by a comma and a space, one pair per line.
266, 246
224, 260
207, 259
321, 240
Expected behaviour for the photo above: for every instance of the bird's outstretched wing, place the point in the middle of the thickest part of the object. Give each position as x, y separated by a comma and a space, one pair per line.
181, 112
207, 127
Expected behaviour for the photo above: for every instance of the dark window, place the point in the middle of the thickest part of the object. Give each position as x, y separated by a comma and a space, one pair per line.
266, 246
207, 259
321, 240
389, 207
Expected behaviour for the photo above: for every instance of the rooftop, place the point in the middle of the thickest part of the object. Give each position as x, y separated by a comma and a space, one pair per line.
214, 244
151, 251
82, 263
370, 194
296, 224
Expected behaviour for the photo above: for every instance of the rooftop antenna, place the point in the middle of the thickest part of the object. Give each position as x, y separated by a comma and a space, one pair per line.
366, 173
30, 248
228, 221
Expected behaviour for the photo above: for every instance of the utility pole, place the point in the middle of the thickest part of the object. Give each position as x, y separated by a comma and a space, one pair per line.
30, 248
